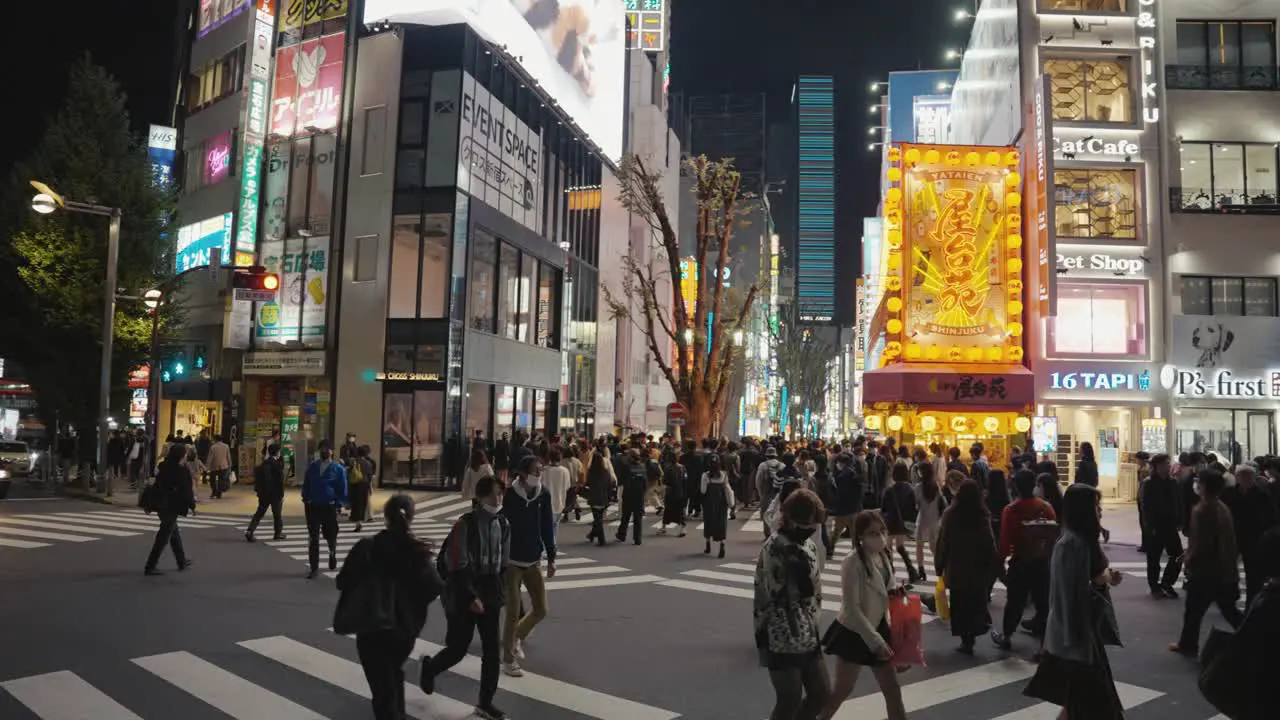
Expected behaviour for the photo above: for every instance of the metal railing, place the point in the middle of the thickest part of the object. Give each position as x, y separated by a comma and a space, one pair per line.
1221, 77
1222, 200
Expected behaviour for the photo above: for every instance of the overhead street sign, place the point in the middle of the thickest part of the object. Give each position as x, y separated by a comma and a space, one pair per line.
255, 295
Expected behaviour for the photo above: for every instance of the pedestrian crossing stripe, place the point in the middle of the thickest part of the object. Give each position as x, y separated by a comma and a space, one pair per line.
64, 695
28, 531
1131, 696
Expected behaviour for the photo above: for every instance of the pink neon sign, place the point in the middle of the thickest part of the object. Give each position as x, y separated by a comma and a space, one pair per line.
217, 158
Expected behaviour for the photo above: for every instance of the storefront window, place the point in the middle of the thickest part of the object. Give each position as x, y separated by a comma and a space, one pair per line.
1108, 319
1095, 91
435, 266
412, 437
479, 408
1106, 6
404, 267
1218, 174
400, 358
1233, 435
504, 418
508, 292
484, 271
1096, 204
524, 409
397, 440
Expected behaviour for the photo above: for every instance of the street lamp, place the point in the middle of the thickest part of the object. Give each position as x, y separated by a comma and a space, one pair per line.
952, 54
45, 202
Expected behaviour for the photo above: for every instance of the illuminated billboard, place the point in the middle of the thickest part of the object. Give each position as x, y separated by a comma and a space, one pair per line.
816, 191
197, 241
646, 24
307, 96
576, 49
953, 231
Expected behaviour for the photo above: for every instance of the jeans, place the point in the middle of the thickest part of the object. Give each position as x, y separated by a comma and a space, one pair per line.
1200, 595
463, 625
382, 657
1025, 579
321, 519
276, 504
632, 509
218, 479
167, 534
516, 624
1157, 544
799, 692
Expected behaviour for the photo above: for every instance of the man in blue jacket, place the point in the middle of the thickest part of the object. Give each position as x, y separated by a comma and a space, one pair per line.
324, 490
527, 507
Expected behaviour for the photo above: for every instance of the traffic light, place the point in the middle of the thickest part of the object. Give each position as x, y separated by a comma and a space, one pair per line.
256, 278
199, 360
173, 366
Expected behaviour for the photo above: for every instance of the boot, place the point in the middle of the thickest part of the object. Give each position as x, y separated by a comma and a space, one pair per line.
912, 576
707, 549
721, 551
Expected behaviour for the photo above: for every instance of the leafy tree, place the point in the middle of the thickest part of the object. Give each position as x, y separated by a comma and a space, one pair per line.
804, 361
56, 264
701, 369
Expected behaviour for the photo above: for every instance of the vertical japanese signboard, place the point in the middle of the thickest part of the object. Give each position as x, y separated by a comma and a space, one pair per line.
254, 133
308, 89
297, 316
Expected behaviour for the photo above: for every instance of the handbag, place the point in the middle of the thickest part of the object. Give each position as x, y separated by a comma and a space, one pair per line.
906, 615
940, 600
1222, 680
909, 525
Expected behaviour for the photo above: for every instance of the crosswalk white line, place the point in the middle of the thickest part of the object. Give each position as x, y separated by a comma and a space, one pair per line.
21, 522
574, 698
230, 693
349, 676
1131, 696
100, 521
21, 544
558, 584
940, 689
63, 695
206, 515
42, 535
446, 511
198, 520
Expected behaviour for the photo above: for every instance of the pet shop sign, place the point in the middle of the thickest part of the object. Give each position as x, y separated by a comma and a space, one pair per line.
1200, 383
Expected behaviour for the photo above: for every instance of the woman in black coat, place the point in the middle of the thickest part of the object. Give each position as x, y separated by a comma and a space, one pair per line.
173, 494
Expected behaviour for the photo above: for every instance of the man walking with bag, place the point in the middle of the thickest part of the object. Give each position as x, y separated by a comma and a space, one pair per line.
268, 483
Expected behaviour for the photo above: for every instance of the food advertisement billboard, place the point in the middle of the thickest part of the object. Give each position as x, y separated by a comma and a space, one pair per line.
953, 231
575, 49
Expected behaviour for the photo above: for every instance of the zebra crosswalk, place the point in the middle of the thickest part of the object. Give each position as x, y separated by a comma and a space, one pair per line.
30, 531
233, 681
572, 571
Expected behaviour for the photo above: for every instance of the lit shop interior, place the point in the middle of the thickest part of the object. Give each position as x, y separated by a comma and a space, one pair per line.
999, 430
190, 417
295, 408
1233, 435
1117, 433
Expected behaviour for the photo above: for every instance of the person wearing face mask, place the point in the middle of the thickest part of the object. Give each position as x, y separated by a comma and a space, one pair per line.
859, 636
788, 598
527, 509
473, 562
324, 490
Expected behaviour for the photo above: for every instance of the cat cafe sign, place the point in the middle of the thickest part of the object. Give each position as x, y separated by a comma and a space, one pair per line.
1092, 147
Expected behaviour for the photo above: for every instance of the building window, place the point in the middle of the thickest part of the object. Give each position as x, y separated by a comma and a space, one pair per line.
484, 273
479, 410
434, 283
1235, 435
216, 12
1096, 204
1085, 6
215, 80
1228, 296
548, 307
1218, 176
504, 415
1100, 319
524, 307
419, 266
210, 161
412, 436
404, 266
1225, 55
1093, 91
508, 291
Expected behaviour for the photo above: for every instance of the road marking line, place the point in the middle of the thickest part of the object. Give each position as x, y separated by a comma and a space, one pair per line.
583, 701
941, 689
558, 584
41, 535
225, 691
210, 519
96, 521
63, 695
442, 511
1131, 696
21, 522
349, 676
21, 544
589, 570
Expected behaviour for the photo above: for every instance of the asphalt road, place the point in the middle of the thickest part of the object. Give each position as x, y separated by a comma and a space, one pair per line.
635, 633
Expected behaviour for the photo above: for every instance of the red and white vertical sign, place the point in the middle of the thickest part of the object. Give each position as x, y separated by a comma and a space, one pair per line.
308, 86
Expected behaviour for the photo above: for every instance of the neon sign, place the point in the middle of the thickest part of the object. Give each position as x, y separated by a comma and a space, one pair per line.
1192, 383
1101, 382
1147, 33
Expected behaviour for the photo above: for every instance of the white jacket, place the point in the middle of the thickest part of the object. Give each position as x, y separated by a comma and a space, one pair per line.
864, 599
556, 479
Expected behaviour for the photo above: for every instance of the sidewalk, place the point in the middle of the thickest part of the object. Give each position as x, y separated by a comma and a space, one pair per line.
239, 500
1121, 518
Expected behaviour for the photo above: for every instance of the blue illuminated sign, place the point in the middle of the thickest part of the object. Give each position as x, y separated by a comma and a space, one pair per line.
1100, 382
816, 244
197, 241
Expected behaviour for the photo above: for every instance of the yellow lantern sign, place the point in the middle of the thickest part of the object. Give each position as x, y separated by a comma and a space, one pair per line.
959, 215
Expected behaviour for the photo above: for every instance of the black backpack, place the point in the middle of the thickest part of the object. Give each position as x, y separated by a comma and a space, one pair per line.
471, 528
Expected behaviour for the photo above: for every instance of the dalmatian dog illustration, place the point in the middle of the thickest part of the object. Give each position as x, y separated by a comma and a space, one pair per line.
1212, 339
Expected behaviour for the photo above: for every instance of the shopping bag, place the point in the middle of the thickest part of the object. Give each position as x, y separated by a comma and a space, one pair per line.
905, 618
940, 600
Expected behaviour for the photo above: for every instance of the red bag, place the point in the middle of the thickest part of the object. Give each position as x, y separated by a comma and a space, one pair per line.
905, 620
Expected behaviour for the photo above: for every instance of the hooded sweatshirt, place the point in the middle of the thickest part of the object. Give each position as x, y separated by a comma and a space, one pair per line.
408, 564
528, 511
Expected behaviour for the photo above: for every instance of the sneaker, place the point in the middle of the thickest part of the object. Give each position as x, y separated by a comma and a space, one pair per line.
518, 650
513, 669
248, 537
490, 712
1169, 592
312, 573
1000, 640
426, 679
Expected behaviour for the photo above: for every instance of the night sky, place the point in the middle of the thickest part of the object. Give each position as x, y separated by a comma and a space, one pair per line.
718, 46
